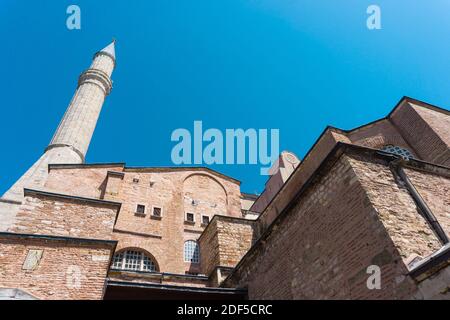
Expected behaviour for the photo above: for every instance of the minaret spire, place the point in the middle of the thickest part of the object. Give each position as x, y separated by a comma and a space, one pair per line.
110, 50
77, 126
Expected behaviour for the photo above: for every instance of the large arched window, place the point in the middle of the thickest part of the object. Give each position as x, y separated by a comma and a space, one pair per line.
405, 153
191, 251
133, 260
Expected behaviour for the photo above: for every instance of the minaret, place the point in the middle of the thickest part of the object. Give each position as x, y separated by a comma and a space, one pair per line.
73, 135
78, 124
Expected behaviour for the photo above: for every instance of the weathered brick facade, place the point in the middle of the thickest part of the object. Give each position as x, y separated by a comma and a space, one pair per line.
68, 268
223, 243
70, 230
353, 215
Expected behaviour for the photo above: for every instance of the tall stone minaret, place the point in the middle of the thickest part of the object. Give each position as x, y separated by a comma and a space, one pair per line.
78, 124
73, 135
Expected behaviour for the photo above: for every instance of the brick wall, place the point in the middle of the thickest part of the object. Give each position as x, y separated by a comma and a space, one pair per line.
67, 270
396, 209
209, 248
426, 130
174, 190
49, 215
435, 190
379, 134
86, 182
323, 246
225, 242
323, 146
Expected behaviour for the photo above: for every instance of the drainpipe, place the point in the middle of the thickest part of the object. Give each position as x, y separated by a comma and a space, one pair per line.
397, 170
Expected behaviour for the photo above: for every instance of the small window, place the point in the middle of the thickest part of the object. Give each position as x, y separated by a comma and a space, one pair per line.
140, 209
191, 252
405, 153
157, 212
135, 180
205, 220
190, 217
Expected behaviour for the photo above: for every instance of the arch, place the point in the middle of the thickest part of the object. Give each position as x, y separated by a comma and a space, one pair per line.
204, 195
191, 251
208, 176
134, 259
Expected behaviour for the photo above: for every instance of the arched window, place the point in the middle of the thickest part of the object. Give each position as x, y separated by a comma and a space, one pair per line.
133, 260
405, 153
191, 251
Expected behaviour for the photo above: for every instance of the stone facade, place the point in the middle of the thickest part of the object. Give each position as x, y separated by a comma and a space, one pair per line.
377, 195
223, 243
354, 214
68, 268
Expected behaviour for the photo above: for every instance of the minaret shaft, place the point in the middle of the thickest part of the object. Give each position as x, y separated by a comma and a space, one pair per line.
79, 121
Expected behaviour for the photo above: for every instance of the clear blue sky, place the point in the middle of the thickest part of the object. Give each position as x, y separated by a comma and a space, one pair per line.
292, 65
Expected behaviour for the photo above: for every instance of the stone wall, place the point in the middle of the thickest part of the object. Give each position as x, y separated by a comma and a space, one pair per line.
426, 130
175, 190
66, 269
51, 214
88, 182
435, 190
225, 242
396, 209
305, 169
321, 247
379, 134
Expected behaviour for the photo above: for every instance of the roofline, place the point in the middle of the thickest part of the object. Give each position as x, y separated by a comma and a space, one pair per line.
339, 149
421, 103
118, 205
399, 103
119, 174
230, 291
389, 115
246, 195
161, 274
437, 261
229, 218
346, 132
85, 165
139, 169
58, 238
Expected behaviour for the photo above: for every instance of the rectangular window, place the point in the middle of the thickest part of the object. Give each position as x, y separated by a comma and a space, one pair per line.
140, 209
157, 212
191, 252
205, 220
190, 217
135, 180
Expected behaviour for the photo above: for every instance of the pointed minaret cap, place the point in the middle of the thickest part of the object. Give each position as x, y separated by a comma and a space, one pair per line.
109, 50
